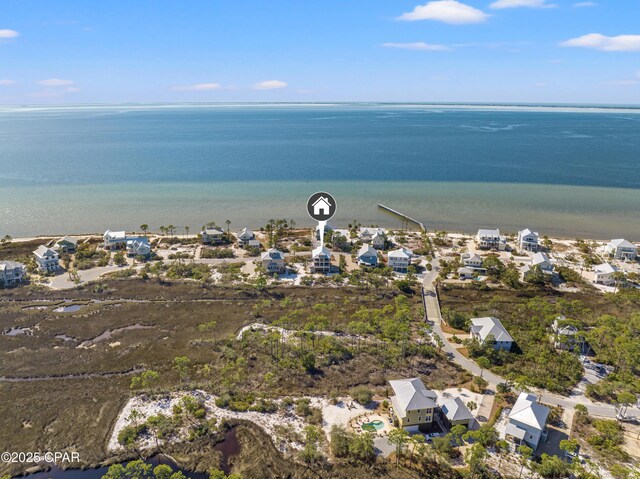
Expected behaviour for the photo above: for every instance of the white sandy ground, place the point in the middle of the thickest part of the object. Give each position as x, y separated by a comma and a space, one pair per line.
338, 414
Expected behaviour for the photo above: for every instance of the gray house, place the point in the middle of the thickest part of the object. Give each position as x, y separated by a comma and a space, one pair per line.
484, 328
367, 256
11, 273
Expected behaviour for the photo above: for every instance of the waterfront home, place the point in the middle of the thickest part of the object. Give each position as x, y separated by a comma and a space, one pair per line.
378, 240
367, 256
327, 228
465, 273
273, 261
321, 260
528, 240
604, 274
542, 260
11, 273
471, 261
566, 336
527, 420
366, 234
399, 259
455, 412
212, 235
621, 250
48, 260
113, 240
66, 244
491, 239
138, 246
245, 237
413, 404
491, 329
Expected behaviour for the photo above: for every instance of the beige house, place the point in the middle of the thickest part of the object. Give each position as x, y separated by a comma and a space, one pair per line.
67, 244
212, 235
273, 261
413, 404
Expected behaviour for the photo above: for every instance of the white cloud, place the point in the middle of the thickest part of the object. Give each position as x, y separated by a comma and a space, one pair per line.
446, 11
198, 87
584, 4
72, 89
8, 34
269, 85
427, 47
620, 43
56, 82
623, 82
501, 4
6, 82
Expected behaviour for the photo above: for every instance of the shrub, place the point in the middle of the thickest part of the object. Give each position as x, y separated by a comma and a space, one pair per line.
361, 394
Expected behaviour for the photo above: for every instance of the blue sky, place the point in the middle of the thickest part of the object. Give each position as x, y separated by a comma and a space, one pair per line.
331, 50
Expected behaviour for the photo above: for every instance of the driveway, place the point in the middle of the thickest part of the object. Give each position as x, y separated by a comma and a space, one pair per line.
432, 307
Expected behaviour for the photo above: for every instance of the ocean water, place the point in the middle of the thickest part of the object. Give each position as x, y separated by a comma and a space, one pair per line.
563, 171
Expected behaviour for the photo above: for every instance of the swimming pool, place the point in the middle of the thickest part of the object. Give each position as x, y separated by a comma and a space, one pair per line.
372, 426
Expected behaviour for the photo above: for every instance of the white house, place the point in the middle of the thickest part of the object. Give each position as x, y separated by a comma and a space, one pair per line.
491, 239
604, 274
456, 412
400, 259
528, 240
367, 234
114, 239
484, 328
245, 237
413, 404
321, 258
321, 206
212, 235
367, 256
542, 260
378, 240
138, 246
48, 260
527, 420
622, 250
465, 273
11, 273
471, 261
273, 261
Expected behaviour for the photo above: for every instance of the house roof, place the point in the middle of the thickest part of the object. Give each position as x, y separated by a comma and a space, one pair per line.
401, 253
621, 243
539, 258
5, 265
527, 411
367, 250
455, 410
245, 232
489, 326
115, 234
489, 233
43, 251
68, 239
465, 271
471, 257
321, 251
527, 232
272, 254
605, 268
213, 231
411, 394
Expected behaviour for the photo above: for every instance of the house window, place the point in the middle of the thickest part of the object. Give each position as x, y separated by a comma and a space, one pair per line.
419, 418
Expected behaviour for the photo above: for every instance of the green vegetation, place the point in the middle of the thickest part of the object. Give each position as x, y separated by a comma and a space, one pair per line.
217, 253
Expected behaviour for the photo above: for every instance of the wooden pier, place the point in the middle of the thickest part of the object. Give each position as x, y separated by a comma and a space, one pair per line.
403, 216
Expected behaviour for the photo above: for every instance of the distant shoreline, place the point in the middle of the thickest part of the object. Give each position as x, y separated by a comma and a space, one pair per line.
495, 106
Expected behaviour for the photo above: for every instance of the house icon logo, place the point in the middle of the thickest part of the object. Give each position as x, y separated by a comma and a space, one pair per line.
321, 206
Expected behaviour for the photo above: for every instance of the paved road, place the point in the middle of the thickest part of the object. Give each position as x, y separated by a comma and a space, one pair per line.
567, 402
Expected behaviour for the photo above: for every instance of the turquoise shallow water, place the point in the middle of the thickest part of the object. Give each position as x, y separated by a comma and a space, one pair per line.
565, 172
584, 211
